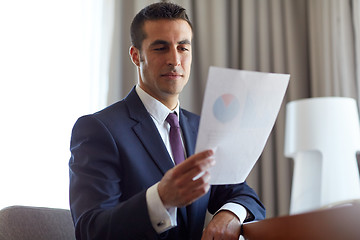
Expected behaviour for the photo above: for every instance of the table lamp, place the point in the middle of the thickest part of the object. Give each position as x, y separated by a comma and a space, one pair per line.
322, 135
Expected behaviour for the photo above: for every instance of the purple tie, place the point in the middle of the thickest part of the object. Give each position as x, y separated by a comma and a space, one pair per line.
175, 138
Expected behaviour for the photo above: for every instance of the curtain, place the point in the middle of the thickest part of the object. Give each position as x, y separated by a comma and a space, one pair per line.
356, 23
332, 48
316, 41
121, 73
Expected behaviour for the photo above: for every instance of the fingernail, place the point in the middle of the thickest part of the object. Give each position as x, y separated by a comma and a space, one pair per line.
198, 176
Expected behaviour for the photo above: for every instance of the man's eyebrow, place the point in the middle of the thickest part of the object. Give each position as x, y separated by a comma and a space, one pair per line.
163, 42
186, 41
159, 42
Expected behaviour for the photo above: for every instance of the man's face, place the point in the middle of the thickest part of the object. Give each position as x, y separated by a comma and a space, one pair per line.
165, 58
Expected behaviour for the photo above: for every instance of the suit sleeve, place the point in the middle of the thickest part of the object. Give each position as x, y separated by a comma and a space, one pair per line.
239, 194
95, 192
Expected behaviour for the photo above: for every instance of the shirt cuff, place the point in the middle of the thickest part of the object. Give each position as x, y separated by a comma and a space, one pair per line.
162, 219
239, 210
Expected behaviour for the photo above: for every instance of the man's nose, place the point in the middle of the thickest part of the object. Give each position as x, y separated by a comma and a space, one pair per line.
173, 57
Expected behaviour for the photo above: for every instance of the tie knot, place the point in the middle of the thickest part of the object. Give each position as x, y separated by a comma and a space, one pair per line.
173, 120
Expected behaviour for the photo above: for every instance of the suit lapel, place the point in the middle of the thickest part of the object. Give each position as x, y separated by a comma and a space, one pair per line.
147, 132
189, 134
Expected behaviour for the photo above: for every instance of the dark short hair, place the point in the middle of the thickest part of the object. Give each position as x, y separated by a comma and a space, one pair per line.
155, 11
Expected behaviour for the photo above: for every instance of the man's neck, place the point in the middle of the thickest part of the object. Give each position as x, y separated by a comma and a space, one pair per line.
170, 102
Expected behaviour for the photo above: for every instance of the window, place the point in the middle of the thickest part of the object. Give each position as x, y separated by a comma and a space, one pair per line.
46, 83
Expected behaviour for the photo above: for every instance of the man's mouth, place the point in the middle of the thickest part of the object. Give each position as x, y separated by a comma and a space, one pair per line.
172, 75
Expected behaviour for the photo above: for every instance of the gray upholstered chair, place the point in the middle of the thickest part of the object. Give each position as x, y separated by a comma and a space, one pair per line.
35, 223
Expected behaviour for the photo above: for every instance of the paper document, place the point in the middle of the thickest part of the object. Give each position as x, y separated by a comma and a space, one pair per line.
238, 113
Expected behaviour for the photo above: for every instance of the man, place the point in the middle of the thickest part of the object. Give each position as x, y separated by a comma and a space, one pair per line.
124, 183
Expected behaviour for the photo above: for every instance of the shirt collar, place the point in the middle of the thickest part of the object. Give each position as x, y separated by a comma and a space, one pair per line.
155, 108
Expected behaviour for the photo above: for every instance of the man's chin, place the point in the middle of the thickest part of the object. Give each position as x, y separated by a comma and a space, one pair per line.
173, 91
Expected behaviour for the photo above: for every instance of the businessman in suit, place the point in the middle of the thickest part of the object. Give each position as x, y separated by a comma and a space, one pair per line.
125, 181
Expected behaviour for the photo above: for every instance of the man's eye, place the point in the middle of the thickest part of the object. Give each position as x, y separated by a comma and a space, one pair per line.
184, 49
159, 49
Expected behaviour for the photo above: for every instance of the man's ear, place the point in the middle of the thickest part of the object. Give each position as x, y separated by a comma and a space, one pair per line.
135, 55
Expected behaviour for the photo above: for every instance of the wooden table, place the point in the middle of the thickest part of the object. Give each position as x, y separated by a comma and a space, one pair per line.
337, 223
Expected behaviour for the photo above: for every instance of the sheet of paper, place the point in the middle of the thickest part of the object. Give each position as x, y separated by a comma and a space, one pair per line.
238, 113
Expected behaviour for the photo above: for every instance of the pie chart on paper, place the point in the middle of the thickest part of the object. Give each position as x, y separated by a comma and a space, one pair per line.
226, 107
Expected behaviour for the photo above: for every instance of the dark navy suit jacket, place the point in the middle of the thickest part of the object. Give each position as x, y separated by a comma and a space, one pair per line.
116, 155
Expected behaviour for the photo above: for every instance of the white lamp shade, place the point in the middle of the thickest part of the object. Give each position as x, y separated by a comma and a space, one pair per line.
322, 135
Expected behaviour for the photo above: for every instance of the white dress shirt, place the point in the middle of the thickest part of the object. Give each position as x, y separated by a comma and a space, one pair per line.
161, 218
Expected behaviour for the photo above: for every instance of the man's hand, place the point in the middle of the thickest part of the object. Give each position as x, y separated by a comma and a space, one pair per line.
178, 189
224, 225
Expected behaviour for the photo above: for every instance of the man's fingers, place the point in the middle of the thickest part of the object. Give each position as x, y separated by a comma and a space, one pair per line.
194, 189
196, 159
195, 176
195, 164
190, 185
187, 181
